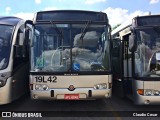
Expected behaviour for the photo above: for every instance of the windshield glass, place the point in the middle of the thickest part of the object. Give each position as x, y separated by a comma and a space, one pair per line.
5, 45
147, 56
70, 47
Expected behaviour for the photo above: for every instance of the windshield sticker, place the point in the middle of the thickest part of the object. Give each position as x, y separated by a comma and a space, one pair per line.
40, 62
76, 67
157, 56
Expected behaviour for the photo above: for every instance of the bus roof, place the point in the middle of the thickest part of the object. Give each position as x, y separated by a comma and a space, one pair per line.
147, 20
70, 15
9, 20
122, 27
73, 11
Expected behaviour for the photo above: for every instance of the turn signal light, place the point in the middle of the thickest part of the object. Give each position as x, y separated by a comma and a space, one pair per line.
140, 91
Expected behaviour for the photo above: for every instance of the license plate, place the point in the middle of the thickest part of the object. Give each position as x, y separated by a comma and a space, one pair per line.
71, 96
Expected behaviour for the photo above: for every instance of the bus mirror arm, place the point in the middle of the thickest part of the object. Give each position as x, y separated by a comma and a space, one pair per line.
26, 34
132, 43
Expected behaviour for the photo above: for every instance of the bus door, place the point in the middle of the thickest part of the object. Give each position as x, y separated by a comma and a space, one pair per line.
20, 63
117, 67
127, 68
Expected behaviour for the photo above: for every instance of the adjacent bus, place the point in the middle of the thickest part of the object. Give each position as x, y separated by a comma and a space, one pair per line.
14, 59
70, 55
136, 59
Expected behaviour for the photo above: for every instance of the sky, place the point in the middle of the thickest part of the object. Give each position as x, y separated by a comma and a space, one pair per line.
118, 11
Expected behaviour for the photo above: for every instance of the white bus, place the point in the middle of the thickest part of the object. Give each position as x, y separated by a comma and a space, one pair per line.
70, 55
136, 59
14, 59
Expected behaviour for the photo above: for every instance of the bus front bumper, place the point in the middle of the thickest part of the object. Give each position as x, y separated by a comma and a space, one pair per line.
139, 92
147, 100
82, 93
5, 93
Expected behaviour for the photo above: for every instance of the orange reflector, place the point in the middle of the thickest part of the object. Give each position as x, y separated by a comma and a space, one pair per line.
140, 91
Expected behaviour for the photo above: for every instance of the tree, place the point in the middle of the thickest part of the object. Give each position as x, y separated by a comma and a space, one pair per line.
116, 26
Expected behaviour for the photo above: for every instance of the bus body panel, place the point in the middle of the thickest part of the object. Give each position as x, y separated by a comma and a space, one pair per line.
79, 80
146, 85
6, 92
20, 81
16, 85
152, 85
59, 94
82, 85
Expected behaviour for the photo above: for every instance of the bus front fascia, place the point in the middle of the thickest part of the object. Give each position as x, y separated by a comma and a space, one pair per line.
80, 80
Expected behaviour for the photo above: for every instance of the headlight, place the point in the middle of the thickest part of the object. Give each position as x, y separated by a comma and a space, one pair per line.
41, 87
156, 92
2, 83
148, 92
100, 86
37, 87
45, 87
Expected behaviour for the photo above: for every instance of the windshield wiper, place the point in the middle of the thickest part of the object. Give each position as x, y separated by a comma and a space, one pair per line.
84, 31
157, 29
57, 30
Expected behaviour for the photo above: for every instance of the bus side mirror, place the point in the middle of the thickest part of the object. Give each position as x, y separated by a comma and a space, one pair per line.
28, 32
21, 39
132, 43
18, 48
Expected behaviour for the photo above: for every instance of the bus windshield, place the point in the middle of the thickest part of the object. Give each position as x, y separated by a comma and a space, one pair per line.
147, 56
70, 48
5, 45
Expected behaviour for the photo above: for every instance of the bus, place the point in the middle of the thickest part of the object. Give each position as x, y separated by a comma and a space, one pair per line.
136, 60
14, 59
70, 55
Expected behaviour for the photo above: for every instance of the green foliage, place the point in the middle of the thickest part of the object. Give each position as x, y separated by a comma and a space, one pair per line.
116, 26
